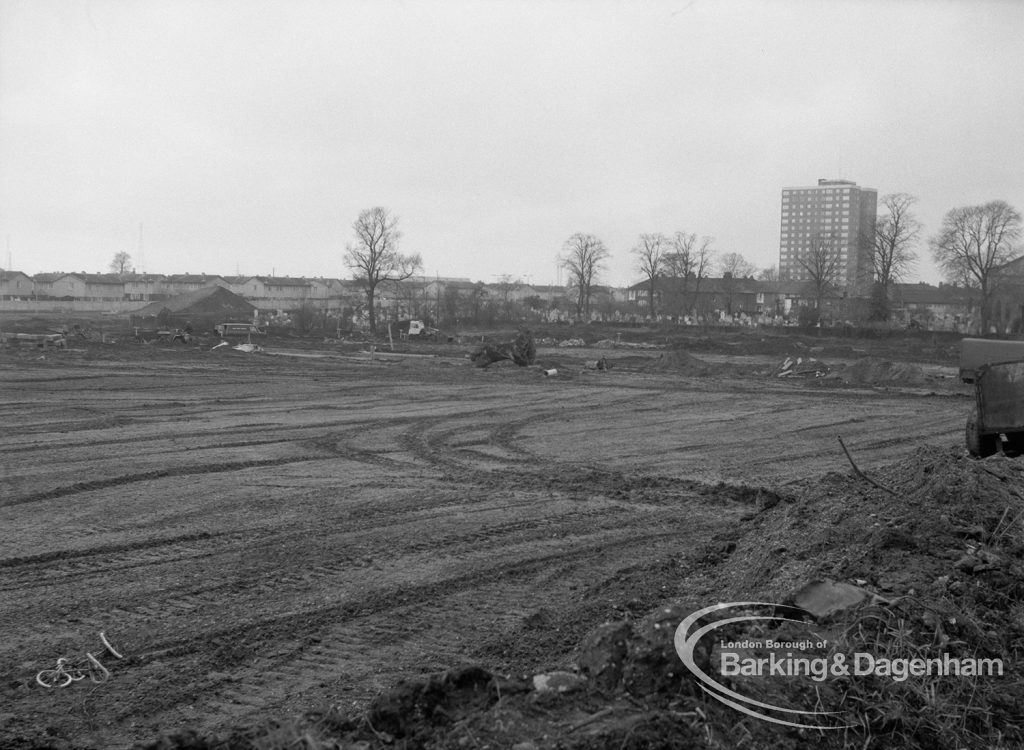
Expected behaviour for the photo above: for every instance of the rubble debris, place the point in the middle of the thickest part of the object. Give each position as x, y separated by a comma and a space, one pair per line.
486, 355
597, 364
572, 342
41, 340
248, 348
522, 350
802, 367
558, 682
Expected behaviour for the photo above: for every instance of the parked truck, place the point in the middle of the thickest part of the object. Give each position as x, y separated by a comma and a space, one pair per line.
224, 330
996, 368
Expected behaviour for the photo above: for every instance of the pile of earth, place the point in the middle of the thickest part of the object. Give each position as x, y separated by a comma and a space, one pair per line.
926, 561
871, 370
677, 360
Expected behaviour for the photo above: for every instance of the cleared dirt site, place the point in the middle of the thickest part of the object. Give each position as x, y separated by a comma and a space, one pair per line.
265, 535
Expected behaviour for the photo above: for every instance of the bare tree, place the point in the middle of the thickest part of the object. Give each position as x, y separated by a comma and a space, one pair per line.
504, 286
122, 264
973, 243
689, 258
733, 267
769, 274
892, 253
650, 261
374, 257
451, 307
583, 258
821, 261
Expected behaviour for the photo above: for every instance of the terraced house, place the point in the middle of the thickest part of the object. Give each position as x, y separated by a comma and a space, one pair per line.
86, 287
272, 293
191, 282
16, 285
144, 287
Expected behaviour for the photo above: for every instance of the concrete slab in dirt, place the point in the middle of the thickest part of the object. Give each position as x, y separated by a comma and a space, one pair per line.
825, 599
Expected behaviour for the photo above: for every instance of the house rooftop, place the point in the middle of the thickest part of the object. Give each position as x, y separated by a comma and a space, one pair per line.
193, 278
283, 280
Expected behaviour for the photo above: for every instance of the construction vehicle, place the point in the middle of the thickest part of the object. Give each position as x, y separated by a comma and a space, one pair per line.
996, 368
415, 329
224, 330
974, 353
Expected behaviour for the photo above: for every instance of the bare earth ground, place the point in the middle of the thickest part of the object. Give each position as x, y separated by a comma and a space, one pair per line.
259, 534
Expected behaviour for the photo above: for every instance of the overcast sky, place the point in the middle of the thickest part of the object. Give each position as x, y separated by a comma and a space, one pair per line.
247, 136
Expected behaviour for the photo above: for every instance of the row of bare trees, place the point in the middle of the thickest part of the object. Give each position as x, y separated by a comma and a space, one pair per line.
683, 259
971, 246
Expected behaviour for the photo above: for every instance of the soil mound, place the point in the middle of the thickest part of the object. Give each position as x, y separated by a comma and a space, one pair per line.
676, 360
939, 556
873, 370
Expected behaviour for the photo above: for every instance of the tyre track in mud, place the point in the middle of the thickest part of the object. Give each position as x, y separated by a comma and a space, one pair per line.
424, 511
431, 533
359, 643
410, 627
147, 476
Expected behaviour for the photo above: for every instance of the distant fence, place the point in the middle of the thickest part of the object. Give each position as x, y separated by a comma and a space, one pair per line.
68, 307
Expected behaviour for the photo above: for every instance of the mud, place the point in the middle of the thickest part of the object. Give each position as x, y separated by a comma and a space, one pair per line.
259, 535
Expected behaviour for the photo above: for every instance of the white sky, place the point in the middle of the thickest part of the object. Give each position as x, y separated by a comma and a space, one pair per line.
248, 135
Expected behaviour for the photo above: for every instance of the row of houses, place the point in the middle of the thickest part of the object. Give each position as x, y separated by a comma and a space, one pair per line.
283, 292
141, 287
433, 297
943, 306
